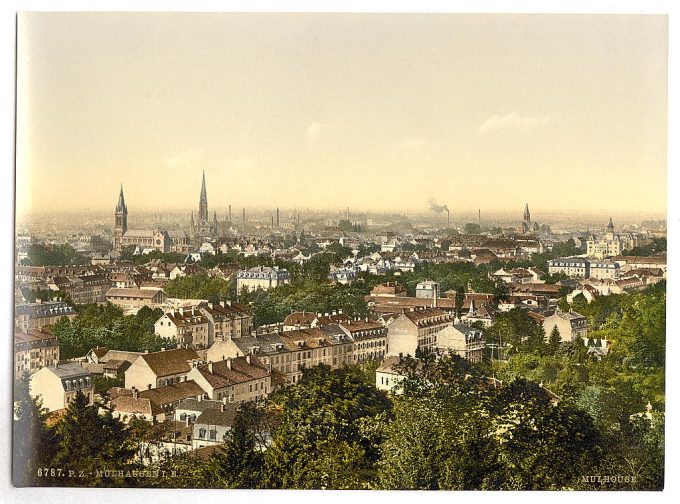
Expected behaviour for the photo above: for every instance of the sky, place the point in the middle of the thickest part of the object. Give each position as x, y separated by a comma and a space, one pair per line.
384, 111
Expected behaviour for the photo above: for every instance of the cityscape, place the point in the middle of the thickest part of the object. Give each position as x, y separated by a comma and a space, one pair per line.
400, 322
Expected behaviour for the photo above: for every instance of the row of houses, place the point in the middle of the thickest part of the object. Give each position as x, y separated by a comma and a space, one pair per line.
609, 269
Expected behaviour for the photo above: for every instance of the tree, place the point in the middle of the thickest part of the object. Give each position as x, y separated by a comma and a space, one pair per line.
54, 255
88, 441
472, 228
325, 405
543, 446
33, 441
240, 462
199, 286
554, 341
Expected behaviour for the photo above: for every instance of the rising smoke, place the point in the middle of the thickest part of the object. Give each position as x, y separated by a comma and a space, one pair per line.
437, 208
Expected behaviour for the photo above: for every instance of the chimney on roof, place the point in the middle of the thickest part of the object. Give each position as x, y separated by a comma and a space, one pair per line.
228, 362
199, 398
248, 358
146, 350
181, 310
135, 392
187, 420
148, 386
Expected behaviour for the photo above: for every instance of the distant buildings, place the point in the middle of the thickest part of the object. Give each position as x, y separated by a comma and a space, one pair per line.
611, 244
36, 315
132, 300
82, 289
573, 267
579, 267
262, 277
161, 240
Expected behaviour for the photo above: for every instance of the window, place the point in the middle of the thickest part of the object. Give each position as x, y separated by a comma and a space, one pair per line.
213, 434
201, 433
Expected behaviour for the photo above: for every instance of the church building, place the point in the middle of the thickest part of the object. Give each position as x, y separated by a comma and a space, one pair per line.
158, 239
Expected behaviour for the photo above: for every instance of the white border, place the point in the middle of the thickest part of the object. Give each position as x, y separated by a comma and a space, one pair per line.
7, 43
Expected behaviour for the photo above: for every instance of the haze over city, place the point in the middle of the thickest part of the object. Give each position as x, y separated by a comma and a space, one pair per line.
315, 111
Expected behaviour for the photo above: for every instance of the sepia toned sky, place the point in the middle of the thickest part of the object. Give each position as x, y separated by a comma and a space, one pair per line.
383, 111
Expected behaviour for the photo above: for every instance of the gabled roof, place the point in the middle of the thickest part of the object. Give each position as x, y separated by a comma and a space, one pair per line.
68, 370
216, 417
172, 393
240, 372
128, 404
170, 362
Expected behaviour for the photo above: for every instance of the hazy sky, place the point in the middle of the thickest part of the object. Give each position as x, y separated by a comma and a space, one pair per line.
371, 111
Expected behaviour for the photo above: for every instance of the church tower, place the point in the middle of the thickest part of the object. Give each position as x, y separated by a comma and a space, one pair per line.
526, 223
203, 203
203, 227
120, 227
610, 230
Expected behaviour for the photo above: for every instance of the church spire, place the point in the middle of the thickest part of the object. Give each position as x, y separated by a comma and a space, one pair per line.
203, 203
527, 215
120, 207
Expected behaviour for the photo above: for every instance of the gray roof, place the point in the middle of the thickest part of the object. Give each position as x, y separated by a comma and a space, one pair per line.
266, 343
69, 370
46, 309
465, 329
192, 404
216, 417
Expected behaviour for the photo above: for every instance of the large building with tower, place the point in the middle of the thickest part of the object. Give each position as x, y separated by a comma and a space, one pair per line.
609, 245
157, 239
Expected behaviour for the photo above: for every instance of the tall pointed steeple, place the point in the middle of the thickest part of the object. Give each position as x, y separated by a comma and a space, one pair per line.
120, 221
203, 203
527, 215
120, 207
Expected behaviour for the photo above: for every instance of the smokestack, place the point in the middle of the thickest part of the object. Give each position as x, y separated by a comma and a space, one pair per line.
347, 213
448, 218
244, 221
272, 222
277, 217
479, 214
229, 213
